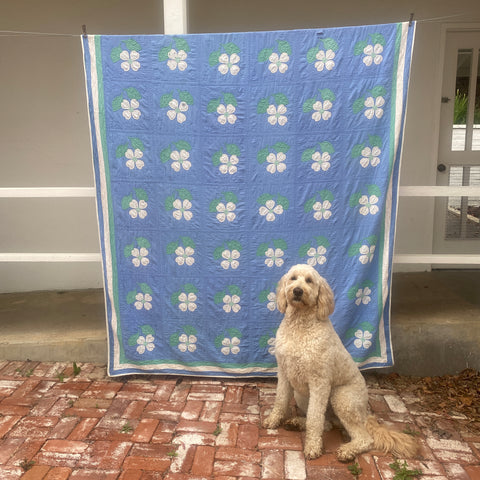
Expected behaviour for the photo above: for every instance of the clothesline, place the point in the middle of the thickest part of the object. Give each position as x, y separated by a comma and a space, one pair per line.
15, 33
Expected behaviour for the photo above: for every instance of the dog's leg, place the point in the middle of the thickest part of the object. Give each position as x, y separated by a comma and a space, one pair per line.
350, 405
282, 400
317, 407
298, 423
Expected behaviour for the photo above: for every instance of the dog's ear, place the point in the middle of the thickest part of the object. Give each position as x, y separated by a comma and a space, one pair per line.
281, 296
325, 300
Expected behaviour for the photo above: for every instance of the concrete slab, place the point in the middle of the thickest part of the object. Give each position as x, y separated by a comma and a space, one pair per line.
435, 324
53, 326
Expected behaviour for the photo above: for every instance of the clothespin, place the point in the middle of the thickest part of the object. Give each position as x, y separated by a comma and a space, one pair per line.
411, 20
84, 31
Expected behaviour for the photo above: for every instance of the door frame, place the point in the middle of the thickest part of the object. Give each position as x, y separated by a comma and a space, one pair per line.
440, 202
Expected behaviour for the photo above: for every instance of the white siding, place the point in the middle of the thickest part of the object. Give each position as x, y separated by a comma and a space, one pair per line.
44, 125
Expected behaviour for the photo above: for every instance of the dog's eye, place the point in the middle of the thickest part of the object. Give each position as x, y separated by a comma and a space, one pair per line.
293, 278
309, 280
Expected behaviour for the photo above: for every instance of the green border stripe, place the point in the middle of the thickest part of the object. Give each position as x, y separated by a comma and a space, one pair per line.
109, 211
393, 155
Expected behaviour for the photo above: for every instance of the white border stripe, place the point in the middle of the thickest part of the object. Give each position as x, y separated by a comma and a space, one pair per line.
386, 260
198, 370
108, 273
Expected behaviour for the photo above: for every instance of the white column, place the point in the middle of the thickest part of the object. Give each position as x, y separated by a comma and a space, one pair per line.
175, 17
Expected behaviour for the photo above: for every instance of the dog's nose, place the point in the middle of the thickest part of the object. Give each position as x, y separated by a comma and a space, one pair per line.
297, 291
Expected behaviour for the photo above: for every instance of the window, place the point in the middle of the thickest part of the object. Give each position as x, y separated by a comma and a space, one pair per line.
463, 213
466, 115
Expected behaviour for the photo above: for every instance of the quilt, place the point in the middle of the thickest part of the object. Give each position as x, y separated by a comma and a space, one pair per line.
220, 161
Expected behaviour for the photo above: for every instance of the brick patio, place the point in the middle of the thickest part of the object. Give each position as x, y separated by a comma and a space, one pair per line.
57, 426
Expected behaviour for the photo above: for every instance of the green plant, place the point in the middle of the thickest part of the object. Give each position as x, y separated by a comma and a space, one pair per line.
460, 110
76, 369
127, 428
218, 430
26, 464
402, 472
61, 376
172, 454
409, 431
355, 470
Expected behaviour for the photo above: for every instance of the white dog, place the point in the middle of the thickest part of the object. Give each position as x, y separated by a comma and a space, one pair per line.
315, 367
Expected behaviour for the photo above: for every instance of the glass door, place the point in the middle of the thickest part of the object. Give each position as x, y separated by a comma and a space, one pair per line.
457, 218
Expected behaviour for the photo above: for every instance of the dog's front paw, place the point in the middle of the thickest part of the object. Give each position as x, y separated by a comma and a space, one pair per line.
272, 421
345, 454
312, 449
298, 424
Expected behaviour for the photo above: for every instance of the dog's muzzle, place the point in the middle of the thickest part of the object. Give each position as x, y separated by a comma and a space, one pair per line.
297, 293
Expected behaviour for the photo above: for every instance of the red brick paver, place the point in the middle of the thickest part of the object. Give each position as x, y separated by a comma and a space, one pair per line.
56, 426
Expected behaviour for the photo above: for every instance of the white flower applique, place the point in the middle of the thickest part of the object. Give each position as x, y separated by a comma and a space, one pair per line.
272, 252
141, 298
225, 107
177, 105
321, 105
320, 156
186, 340
144, 340
184, 251
268, 341
361, 294
178, 155
180, 204
322, 56
136, 204
185, 298
132, 152
229, 299
128, 54
224, 207
315, 251
187, 343
370, 49
227, 159
276, 109
138, 251
363, 339
226, 59
277, 57
320, 204
372, 104
175, 54
272, 206
129, 103
229, 342
369, 152
367, 204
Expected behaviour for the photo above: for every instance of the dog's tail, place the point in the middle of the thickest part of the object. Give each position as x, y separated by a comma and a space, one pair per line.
398, 444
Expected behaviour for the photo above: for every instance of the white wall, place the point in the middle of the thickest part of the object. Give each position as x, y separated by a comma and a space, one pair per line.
45, 134
44, 124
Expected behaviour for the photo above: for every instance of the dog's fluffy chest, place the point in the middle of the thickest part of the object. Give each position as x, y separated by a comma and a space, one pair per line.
299, 351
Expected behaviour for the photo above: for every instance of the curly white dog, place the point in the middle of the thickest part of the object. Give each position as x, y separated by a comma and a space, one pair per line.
314, 366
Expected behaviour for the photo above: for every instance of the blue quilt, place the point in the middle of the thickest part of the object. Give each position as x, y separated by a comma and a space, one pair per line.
220, 161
